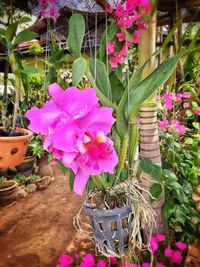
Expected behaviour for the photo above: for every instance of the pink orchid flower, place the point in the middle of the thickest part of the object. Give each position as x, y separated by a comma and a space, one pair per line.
75, 130
168, 252
110, 48
176, 257
101, 263
65, 260
154, 244
160, 237
87, 261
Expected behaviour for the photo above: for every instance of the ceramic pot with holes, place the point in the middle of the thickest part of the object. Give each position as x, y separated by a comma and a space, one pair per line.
13, 148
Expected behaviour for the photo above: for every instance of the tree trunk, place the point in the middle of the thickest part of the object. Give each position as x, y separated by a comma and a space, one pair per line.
149, 139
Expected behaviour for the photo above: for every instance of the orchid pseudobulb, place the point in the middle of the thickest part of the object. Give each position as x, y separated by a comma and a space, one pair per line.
75, 128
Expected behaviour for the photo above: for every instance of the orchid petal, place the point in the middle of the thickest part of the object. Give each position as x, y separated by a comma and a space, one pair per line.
80, 181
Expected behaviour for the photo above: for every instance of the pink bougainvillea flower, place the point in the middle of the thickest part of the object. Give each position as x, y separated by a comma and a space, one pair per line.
120, 36
181, 245
126, 22
186, 105
159, 264
101, 263
179, 97
179, 127
109, 10
141, 25
46, 2
168, 252
120, 12
136, 37
154, 244
197, 111
130, 6
65, 261
113, 62
75, 130
186, 95
87, 261
112, 261
160, 237
146, 264
176, 257
125, 264
163, 125
110, 48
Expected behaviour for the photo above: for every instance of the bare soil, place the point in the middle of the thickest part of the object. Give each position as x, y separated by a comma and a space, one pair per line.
35, 230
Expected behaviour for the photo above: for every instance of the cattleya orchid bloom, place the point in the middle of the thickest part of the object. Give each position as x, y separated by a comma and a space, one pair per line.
75, 128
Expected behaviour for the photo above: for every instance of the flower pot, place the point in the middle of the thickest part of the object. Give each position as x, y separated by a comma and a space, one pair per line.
13, 148
27, 165
7, 192
110, 229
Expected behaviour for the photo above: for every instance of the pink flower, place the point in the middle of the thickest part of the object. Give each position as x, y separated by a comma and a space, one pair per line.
75, 130
65, 261
113, 62
179, 127
101, 263
160, 237
130, 6
109, 9
197, 111
180, 245
146, 264
119, 12
120, 36
112, 261
110, 48
125, 264
159, 264
179, 97
136, 37
46, 2
176, 257
186, 95
163, 125
141, 25
126, 22
186, 105
168, 252
154, 244
87, 261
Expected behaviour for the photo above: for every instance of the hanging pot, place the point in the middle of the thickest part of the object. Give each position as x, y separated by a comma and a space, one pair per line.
7, 192
110, 229
13, 148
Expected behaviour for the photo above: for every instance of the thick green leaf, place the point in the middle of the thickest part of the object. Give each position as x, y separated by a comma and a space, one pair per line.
79, 68
25, 36
99, 72
170, 176
168, 209
2, 32
181, 213
76, 33
154, 171
11, 32
142, 91
71, 179
29, 70
155, 190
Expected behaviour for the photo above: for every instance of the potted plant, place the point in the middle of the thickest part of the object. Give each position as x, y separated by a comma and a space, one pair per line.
98, 144
13, 141
7, 191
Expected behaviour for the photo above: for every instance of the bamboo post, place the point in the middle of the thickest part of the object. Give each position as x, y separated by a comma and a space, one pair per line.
149, 139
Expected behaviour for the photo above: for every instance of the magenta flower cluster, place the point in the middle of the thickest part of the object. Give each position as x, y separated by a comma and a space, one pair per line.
171, 98
48, 9
127, 15
75, 130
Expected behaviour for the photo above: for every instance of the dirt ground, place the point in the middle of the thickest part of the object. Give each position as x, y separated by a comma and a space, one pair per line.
35, 230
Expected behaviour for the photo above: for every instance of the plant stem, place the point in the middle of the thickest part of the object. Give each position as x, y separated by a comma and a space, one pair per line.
122, 158
133, 139
99, 182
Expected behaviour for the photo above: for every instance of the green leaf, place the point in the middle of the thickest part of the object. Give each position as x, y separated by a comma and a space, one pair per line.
168, 209
25, 36
76, 33
71, 179
29, 70
141, 92
170, 176
11, 32
180, 213
2, 32
98, 69
63, 169
154, 171
156, 190
25, 19
78, 70
196, 125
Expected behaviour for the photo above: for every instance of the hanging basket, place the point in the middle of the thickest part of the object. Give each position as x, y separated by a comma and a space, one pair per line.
13, 148
111, 229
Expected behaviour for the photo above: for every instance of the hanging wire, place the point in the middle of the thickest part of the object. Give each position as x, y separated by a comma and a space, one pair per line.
95, 48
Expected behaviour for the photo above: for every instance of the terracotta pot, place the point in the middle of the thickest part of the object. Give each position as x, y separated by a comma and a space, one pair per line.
13, 149
7, 192
27, 165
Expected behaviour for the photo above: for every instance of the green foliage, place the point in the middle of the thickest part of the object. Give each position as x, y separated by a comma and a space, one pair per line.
76, 34
2, 179
35, 147
78, 70
36, 49
20, 178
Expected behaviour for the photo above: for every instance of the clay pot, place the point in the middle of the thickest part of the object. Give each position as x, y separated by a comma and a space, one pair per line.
13, 148
27, 165
7, 192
